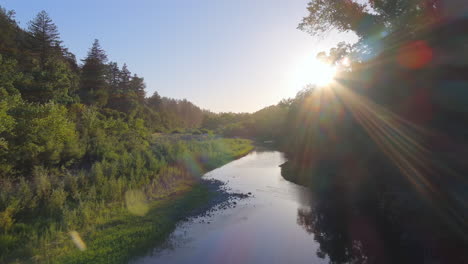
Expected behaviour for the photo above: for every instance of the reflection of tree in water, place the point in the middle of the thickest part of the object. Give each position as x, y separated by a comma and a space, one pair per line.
368, 230
330, 232
336, 219
348, 225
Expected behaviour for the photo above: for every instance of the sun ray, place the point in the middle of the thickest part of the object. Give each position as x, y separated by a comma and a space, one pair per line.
402, 142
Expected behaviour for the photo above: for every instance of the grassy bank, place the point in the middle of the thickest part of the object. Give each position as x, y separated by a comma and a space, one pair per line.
118, 207
127, 235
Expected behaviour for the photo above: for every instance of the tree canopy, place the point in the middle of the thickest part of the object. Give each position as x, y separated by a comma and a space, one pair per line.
369, 18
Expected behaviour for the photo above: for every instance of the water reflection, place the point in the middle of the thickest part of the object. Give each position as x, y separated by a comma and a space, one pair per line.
335, 219
330, 218
365, 229
331, 234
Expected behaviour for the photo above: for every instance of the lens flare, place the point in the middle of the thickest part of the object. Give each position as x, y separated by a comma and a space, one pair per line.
401, 141
76, 238
136, 202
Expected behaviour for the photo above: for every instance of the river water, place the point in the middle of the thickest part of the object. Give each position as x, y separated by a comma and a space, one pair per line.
264, 228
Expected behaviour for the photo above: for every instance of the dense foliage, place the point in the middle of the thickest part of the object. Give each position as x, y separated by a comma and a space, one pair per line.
77, 141
266, 124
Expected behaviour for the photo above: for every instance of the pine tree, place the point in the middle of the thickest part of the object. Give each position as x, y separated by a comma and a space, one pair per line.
52, 68
44, 36
155, 102
94, 87
97, 53
113, 75
113, 80
125, 76
137, 85
10, 40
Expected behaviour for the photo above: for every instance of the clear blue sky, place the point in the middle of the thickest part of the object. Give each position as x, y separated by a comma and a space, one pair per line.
222, 55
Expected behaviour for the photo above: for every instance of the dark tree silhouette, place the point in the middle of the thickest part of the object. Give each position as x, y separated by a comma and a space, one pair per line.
45, 36
94, 88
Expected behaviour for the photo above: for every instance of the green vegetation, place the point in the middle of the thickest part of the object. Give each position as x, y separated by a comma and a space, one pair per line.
125, 235
264, 125
114, 193
85, 155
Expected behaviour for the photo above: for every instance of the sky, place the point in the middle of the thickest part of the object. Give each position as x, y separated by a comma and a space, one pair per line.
222, 55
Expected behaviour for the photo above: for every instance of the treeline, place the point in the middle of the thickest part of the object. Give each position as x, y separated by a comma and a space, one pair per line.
266, 124
75, 138
46, 97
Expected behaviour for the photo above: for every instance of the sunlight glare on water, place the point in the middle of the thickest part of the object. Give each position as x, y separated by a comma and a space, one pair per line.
260, 229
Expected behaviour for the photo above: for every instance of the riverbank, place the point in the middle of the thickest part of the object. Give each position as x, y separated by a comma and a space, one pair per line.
143, 217
127, 235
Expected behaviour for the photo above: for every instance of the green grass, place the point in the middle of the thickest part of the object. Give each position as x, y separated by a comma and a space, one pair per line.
128, 235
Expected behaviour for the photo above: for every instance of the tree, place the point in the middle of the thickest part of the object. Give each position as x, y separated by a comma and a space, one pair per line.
155, 101
45, 36
10, 41
113, 75
113, 80
137, 86
122, 96
97, 53
42, 134
407, 14
7, 124
377, 23
125, 76
124, 81
336, 54
371, 18
94, 88
343, 15
50, 71
55, 81
8, 75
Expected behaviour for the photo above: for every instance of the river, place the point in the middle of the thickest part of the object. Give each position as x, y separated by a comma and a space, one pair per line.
264, 228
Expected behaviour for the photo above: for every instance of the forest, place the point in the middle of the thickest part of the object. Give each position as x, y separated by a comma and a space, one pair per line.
76, 138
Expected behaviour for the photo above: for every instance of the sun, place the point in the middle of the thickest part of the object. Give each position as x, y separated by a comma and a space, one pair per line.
314, 71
